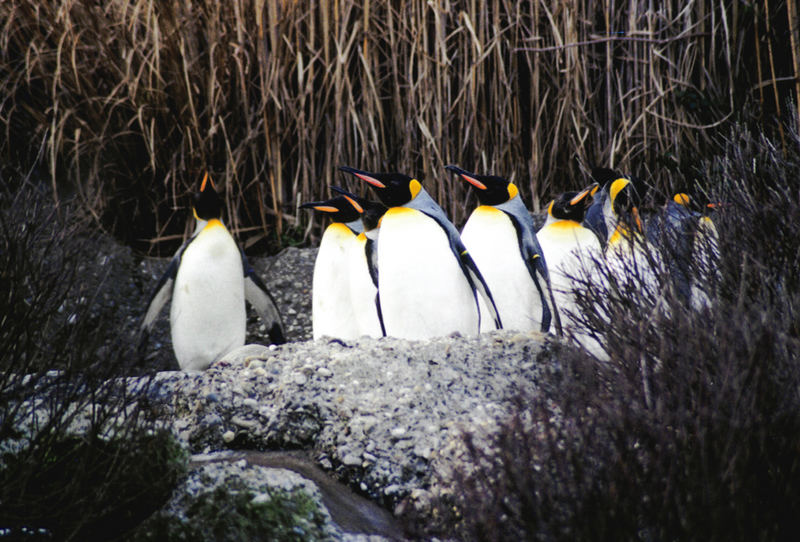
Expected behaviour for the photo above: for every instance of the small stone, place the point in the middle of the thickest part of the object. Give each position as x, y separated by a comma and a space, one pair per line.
324, 372
351, 460
250, 402
300, 379
369, 457
228, 436
241, 422
398, 432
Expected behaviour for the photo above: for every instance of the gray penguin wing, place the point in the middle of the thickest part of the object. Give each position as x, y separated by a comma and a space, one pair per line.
257, 294
425, 204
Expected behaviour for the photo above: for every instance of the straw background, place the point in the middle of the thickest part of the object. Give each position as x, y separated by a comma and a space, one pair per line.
126, 103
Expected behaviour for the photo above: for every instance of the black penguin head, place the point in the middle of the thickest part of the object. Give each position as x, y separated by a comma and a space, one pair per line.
341, 208
572, 205
207, 204
393, 189
491, 189
373, 210
625, 201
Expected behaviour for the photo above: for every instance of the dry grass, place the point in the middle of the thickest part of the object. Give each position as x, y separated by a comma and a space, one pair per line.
131, 100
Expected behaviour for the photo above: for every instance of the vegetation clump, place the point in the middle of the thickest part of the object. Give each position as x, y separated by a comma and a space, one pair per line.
81, 452
691, 430
233, 513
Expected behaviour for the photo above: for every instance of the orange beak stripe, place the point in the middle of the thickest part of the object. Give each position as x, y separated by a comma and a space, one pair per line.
326, 208
582, 195
473, 181
207, 178
355, 204
638, 220
371, 180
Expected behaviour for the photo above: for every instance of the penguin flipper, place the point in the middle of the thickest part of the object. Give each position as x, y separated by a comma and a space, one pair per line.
161, 294
425, 204
532, 255
477, 281
371, 254
256, 293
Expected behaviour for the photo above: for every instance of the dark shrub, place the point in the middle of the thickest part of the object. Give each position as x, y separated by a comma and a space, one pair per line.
692, 430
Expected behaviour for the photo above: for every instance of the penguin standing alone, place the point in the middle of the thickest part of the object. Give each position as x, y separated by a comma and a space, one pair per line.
209, 279
501, 238
427, 281
332, 309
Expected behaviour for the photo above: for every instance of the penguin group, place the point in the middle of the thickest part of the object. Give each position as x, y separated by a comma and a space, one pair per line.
398, 267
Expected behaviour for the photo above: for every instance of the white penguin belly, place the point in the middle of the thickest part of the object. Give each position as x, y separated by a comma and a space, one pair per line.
363, 291
570, 251
207, 315
424, 293
491, 239
331, 305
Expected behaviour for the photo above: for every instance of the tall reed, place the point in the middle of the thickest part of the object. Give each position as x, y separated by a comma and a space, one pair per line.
132, 100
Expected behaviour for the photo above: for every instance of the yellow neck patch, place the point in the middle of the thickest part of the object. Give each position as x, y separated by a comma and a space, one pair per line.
512, 191
214, 223
394, 211
564, 224
414, 186
487, 209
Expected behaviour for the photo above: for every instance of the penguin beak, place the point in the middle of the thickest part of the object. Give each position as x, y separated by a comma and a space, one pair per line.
635, 212
326, 208
363, 175
319, 206
355, 204
582, 195
467, 176
207, 179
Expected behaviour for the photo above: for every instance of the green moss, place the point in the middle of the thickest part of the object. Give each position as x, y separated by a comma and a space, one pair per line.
231, 514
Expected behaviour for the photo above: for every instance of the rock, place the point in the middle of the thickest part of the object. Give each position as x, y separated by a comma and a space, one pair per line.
388, 419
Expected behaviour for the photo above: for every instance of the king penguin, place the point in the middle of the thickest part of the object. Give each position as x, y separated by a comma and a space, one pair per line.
500, 236
593, 217
689, 241
631, 258
332, 309
569, 248
363, 268
209, 280
427, 281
